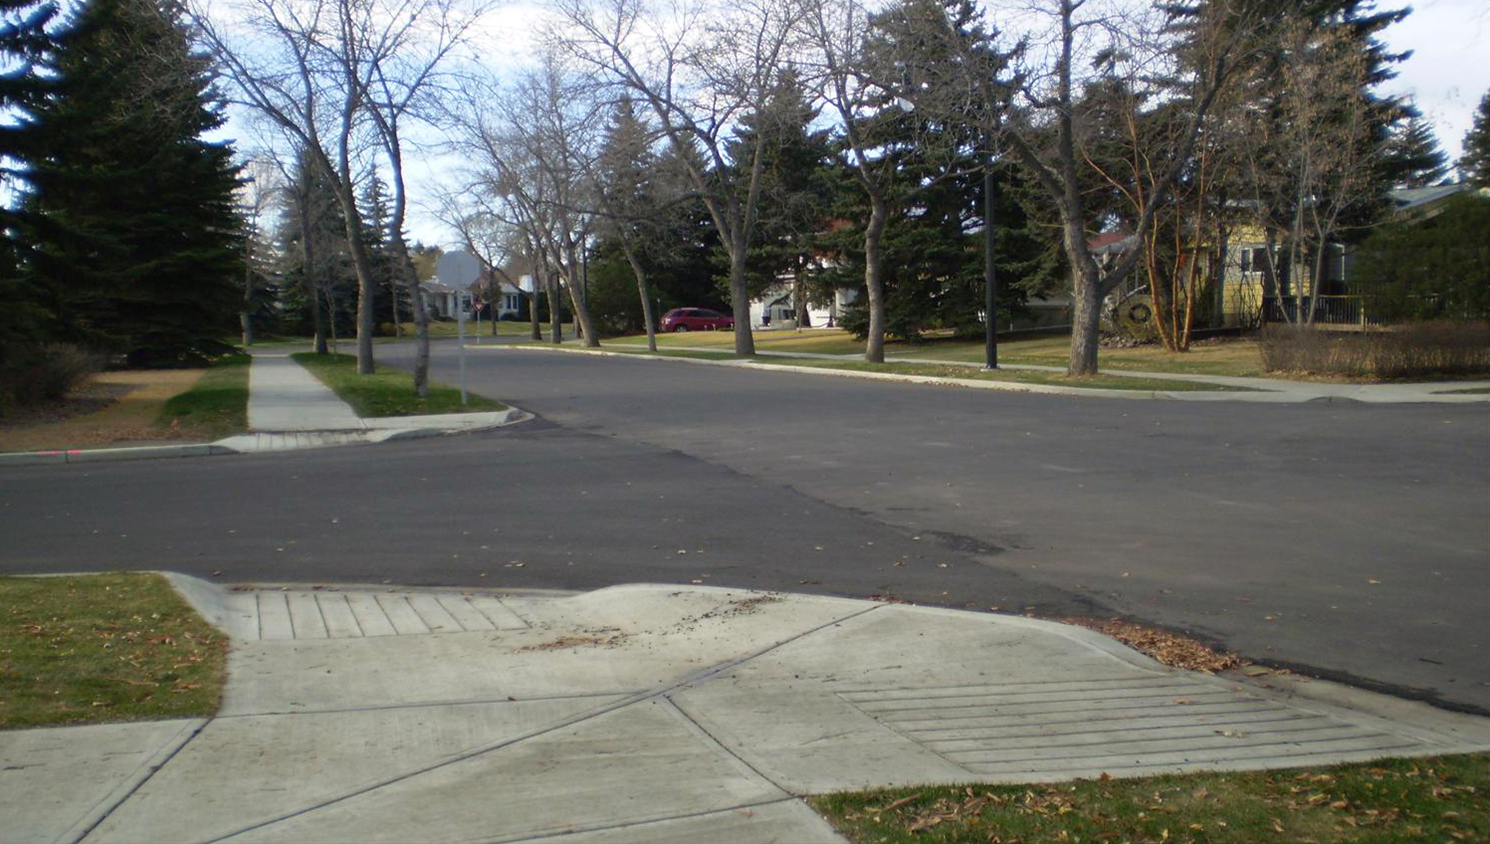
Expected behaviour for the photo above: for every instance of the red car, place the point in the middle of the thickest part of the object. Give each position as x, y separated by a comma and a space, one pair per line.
696, 319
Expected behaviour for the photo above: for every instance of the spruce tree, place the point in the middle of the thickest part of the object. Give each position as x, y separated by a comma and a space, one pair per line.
795, 185
1474, 165
140, 249
1413, 154
388, 299
29, 50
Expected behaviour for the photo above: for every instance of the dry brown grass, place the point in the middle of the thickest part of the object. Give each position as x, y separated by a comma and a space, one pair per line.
128, 420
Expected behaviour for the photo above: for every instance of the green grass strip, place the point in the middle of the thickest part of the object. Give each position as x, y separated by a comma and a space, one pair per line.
216, 406
1435, 799
389, 391
1016, 376
98, 648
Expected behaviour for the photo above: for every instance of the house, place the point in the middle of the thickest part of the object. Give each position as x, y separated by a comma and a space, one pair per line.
776, 307
443, 301
1254, 289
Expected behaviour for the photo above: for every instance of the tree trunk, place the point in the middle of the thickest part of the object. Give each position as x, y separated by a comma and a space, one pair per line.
1086, 300
331, 307
582, 323
421, 326
307, 269
398, 328
1086, 307
555, 308
740, 301
874, 282
643, 292
533, 311
366, 284
318, 319
245, 317
410, 274
578, 289
799, 297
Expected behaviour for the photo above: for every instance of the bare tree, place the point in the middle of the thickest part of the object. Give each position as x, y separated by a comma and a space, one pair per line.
309, 68
1047, 118
483, 233
401, 85
537, 140
700, 69
262, 187
1309, 156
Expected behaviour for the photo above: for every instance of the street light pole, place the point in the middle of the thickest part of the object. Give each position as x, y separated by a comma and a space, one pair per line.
990, 276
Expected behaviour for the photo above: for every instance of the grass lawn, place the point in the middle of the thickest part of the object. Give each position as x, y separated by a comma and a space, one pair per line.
389, 391
136, 407
1017, 376
1232, 357
505, 328
110, 647
1437, 799
215, 406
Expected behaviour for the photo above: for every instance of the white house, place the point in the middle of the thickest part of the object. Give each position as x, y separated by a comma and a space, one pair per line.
778, 303
443, 301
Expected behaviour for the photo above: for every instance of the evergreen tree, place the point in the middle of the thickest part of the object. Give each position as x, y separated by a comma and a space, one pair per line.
389, 300
795, 186
138, 244
1413, 154
320, 287
29, 50
1474, 165
928, 165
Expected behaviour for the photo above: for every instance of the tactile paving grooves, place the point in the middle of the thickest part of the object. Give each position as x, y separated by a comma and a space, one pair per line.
352, 615
1131, 723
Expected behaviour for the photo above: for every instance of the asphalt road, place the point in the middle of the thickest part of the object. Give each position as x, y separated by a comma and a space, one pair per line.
1347, 538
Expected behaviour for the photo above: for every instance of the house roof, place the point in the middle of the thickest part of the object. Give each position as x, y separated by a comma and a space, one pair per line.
1110, 242
1409, 199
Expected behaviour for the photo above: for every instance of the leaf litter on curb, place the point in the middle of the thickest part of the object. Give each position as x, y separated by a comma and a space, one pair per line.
1171, 649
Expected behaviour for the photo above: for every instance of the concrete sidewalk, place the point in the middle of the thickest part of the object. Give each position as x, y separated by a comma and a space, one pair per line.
289, 409
1270, 390
284, 396
649, 713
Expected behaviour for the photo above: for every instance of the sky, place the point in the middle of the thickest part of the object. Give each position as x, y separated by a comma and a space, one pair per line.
1446, 75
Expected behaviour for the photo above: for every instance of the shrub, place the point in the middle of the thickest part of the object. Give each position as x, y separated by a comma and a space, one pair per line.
33, 374
1412, 351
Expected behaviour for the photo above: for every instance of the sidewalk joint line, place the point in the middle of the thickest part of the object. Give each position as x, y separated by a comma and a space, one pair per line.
713, 739
688, 680
576, 830
141, 784
425, 705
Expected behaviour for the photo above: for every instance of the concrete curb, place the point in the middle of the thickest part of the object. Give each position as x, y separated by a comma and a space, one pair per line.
1006, 386
96, 455
403, 428
1283, 393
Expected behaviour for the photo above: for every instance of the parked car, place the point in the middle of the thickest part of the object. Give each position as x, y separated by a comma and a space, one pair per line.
696, 319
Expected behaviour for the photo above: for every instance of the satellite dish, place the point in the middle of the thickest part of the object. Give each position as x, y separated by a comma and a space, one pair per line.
458, 269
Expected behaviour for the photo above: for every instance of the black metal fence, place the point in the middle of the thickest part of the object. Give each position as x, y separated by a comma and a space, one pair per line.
1328, 310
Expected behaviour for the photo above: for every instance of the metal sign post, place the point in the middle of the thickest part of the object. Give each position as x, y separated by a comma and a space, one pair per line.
460, 342
459, 269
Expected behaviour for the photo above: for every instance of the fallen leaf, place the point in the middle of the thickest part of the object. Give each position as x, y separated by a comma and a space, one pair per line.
1373, 581
902, 802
